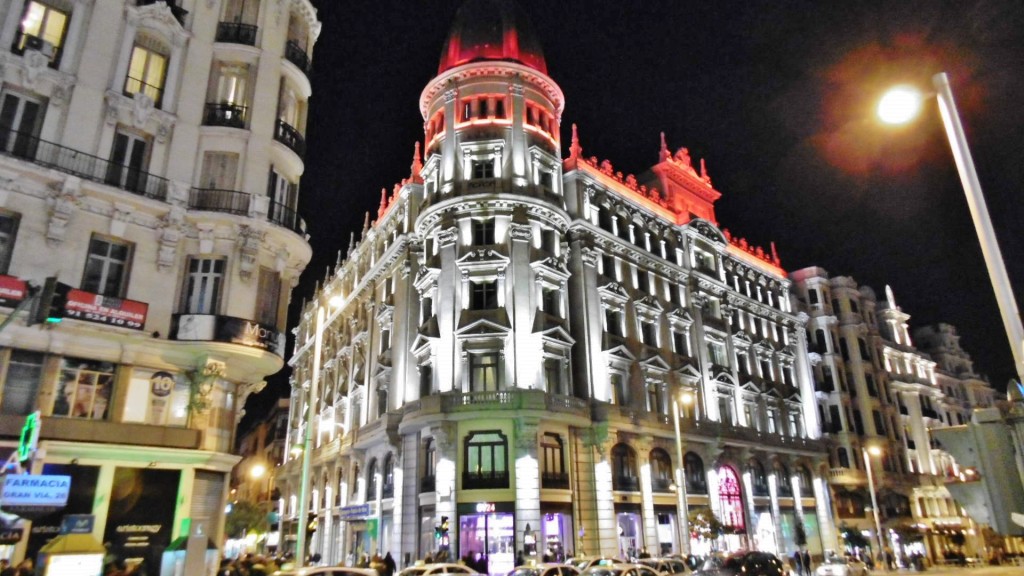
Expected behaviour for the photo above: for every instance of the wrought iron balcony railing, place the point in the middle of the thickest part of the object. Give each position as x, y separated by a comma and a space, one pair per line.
296, 55
237, 33
286, 134
225, 114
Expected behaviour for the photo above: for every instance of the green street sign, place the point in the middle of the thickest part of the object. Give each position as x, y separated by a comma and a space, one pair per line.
29, 437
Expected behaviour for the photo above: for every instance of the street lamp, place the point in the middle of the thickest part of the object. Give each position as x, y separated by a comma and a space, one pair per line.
900, 105
684, 521
868, 452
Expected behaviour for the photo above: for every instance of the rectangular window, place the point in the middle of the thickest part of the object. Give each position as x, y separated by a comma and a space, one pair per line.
812, 296
484, 295
680, 343
794, 425
426, 380
8, 233
835, 420
617, 383
268, 297
725, 412
642, 282
107, 267
879, 422
146, 74
84, 390
613, 322
483, 372
128, 162
21, 118
553, 463
219, 170
553, 375
552, 301
773, 421
858, 424
482, 168
43, 28
649, 332
21, 383
483, 232
653, 400
716, 353
203, 286
608, 266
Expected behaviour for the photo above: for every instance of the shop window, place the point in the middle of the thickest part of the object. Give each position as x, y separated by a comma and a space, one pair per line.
486, 461
84, 390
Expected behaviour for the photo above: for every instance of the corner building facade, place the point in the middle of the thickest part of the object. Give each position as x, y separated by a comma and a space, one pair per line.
505, 346
150, 153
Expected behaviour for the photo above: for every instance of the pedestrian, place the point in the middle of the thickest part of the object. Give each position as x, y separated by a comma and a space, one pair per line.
390, 567
806, 557
519, 559
798, 563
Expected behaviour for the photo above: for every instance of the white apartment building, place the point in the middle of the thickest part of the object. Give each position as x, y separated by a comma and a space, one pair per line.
150, 154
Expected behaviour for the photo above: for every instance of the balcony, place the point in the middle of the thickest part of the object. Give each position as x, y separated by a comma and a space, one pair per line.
626, 483
558, 480
225, 114
297, 55
178, 12
484, 479
846, 476
285, 217
24, 42
427, 484
290, 137
661, 485
214, 200
229, 329
237, 33
70, 161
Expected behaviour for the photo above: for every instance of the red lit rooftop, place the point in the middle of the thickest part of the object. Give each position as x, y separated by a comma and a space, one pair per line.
491, 30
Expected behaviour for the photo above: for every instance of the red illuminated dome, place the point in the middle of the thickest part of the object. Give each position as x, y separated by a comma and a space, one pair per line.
491, 30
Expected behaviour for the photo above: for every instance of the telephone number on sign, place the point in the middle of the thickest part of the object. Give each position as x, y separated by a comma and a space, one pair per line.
113, 321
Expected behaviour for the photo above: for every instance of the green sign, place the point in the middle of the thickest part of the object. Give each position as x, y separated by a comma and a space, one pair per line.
29, 437
371, 527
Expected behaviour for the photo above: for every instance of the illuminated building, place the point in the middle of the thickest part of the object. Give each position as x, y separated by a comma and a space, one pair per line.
502, 347
875, 388
150, 152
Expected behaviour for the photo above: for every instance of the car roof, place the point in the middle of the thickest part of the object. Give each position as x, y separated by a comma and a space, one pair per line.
314, 570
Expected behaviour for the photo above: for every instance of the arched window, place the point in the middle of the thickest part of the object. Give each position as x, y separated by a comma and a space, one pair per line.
730, 499
624, 470
388, 477
696, 478
782, 480
371, 480
486, 461
661, 470
354, 486
806, 481
758, 478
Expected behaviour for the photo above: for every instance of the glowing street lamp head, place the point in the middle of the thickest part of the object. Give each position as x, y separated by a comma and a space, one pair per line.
687, 398
257, 470
899, 105
875, 451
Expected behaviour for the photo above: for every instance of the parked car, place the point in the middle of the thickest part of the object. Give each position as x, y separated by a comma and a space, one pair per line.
434, 569
582, 564
546, 569
327, 571
839, 566
670, 566
746, 563
621, 569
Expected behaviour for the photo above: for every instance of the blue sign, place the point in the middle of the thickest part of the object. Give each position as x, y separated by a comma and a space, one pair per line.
77, 524
356, 512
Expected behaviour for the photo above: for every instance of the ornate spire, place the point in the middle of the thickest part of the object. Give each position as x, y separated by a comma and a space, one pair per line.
663, 153
704, 172
366, 224
575, 150
351, 243
383, 203
417, 166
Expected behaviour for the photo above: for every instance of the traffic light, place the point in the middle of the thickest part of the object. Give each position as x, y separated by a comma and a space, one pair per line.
444, 525
313, 523
51, 302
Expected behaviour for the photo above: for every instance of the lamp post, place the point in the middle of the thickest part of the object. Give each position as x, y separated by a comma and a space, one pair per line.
900, 105
683, 511
868, 452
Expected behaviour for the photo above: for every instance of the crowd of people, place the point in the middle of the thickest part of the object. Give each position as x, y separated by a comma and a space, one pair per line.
24, 568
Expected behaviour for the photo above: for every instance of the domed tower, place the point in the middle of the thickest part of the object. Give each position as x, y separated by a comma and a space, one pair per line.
492, 113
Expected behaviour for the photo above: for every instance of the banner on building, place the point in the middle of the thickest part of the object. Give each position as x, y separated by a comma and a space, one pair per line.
107, 310
12, 290
141, 513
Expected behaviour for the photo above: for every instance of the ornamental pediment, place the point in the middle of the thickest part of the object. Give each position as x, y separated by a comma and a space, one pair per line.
483, 256
613, 291
493, 322
707, 230
620, 353
557, 334
655, 364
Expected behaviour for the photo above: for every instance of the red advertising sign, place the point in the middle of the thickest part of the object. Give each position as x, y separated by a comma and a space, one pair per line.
107, 310
12, 290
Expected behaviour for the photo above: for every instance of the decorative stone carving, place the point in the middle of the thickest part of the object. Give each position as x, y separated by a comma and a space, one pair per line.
521, 232
526, 436
142, 108
120, 218
170, 234
206, 237
447, 237
35, 64
62, 204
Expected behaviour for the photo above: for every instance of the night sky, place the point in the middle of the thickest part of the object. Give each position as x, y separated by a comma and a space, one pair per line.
777, 96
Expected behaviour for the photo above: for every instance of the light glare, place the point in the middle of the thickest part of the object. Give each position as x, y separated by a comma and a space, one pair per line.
899, 105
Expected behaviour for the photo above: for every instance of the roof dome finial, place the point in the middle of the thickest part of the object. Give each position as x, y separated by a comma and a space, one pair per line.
491, 30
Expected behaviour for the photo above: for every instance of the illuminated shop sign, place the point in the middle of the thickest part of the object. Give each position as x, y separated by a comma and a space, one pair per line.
12, 290
35, 491
485, 508
107, 310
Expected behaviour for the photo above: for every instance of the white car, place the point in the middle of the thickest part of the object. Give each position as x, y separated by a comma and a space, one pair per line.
839, 566
666, 566
437, 568
582, 564
621, 570
326, 571
546, 569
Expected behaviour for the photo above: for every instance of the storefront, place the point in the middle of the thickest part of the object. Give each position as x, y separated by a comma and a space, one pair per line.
487, 536
667, 527
556, 532
730, 501
764, 530
630, 530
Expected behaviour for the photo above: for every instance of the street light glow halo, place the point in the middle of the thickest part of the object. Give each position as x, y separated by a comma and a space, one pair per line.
900, 104
257, 470
875, 451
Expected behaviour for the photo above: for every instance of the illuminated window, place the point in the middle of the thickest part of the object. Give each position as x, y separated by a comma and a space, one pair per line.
730, 499
483, 372
486, 461
84, 390
42, 28
147, 71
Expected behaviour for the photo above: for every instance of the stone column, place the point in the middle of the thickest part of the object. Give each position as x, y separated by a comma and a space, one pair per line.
527, 483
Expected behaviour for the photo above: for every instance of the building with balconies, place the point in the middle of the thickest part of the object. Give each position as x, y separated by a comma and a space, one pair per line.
150, 154
503, 347
865, 363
